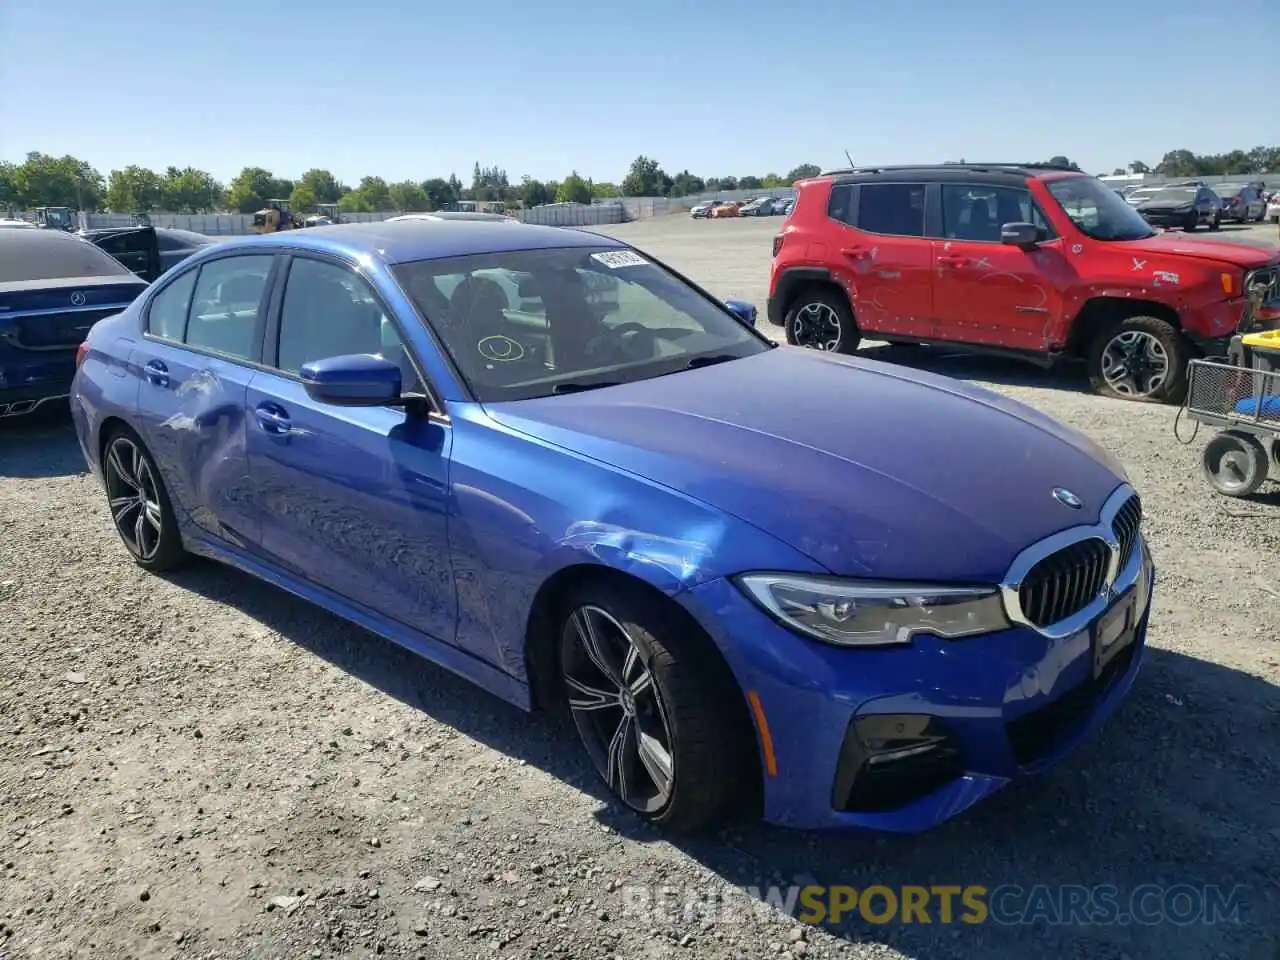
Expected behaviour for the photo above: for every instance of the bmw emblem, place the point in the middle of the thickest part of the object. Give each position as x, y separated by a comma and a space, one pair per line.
77, 299
1067, 498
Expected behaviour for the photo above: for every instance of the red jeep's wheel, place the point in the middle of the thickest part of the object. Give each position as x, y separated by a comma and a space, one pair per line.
1140, 358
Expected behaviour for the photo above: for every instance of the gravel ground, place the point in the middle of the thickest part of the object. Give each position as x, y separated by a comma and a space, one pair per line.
202, 766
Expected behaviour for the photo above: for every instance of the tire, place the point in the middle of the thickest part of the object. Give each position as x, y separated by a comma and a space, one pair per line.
820, 319
139, 503
1139, 343
1275, 219
1191, 224
1216, 222
691, 748
1235, 463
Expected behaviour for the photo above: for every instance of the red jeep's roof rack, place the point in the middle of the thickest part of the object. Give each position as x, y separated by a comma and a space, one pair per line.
949, 165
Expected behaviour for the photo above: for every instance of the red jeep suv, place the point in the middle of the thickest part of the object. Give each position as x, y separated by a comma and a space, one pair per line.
1027, 260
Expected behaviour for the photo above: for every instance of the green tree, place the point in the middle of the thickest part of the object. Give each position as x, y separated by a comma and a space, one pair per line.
253, 187
603, 189
1138, 167
1178, 163
189, 190
353, 202
533, 193
645, 179
750, 183
803, 172
573, 189
324, 186
8, 185
134, 189
48, 181
375, 193
408, 197
685, 183
303, 199
441, 193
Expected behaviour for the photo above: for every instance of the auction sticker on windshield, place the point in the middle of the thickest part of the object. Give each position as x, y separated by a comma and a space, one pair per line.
619, 258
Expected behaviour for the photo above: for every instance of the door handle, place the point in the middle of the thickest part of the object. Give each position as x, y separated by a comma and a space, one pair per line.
855, 253
273, 419
156, 372
952, 261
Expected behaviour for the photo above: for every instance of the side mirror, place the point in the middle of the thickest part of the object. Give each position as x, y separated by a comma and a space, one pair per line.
1020, 234
356, 380
746, 312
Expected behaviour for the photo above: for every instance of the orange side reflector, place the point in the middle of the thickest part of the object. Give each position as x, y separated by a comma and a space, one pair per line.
1228, 284
766, 739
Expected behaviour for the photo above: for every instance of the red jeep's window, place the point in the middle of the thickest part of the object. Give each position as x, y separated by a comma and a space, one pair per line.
977, 212
893, 208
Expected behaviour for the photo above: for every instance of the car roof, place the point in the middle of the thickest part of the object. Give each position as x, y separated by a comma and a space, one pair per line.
452, 215
405, 241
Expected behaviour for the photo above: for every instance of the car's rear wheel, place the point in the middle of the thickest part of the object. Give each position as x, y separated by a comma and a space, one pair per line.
1235, 463
1139, 358
139, 504
820, 319
1191, 223
658, 720
1216, 222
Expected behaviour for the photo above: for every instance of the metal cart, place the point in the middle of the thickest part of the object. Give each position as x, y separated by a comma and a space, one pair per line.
1243, 399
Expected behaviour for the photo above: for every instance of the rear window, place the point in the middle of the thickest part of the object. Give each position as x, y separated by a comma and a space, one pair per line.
53, 255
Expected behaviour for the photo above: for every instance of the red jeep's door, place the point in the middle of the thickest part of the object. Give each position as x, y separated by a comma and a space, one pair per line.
886, 262
988, 293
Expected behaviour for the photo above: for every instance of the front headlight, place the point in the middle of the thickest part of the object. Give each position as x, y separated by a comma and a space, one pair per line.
857, 613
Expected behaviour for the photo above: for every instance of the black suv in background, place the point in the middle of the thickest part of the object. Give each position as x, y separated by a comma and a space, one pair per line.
1181, 205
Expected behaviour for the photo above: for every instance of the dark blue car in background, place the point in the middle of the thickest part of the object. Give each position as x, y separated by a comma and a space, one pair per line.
829, 591
53, 287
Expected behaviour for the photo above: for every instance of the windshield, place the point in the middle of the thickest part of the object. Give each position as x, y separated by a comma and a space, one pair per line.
1097, 211
1177, 194
1227, 189
537, 322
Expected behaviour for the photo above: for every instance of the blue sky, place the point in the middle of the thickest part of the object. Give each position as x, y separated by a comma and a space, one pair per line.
413, 90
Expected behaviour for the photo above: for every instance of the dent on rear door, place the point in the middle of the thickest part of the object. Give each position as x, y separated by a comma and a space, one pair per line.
193, 416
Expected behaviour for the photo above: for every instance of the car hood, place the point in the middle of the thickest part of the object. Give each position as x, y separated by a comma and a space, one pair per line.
1237, 254
870, 469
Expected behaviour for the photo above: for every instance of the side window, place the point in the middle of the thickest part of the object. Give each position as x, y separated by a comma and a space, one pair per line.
977, 212
896, 209
329, 311
224, 309
838, 206
167, 315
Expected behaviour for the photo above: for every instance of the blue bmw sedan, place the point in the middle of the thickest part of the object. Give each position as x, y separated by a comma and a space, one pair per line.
808, 587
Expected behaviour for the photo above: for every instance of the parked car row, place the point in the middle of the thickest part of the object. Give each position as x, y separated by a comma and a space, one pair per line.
1017, 259
653, 518
1194, 203
751, 207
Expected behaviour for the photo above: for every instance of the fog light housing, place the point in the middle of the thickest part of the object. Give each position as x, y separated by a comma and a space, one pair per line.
890, 760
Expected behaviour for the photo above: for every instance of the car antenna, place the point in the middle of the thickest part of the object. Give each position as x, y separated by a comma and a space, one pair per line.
849, 158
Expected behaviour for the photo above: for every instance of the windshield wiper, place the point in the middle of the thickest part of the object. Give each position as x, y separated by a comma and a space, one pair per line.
711, 360
580, 387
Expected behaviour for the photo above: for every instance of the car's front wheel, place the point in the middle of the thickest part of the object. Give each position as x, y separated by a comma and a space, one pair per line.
139, 504
820, 319
1139, 358
661, 724
1216, 222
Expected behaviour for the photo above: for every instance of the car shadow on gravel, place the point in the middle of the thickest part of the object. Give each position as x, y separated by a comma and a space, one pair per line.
1177, 789
980, 367
40, 445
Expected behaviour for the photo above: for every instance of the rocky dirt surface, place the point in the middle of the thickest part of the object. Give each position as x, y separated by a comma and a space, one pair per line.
201, 766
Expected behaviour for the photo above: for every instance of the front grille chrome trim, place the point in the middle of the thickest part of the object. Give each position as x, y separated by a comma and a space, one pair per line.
1118, 578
